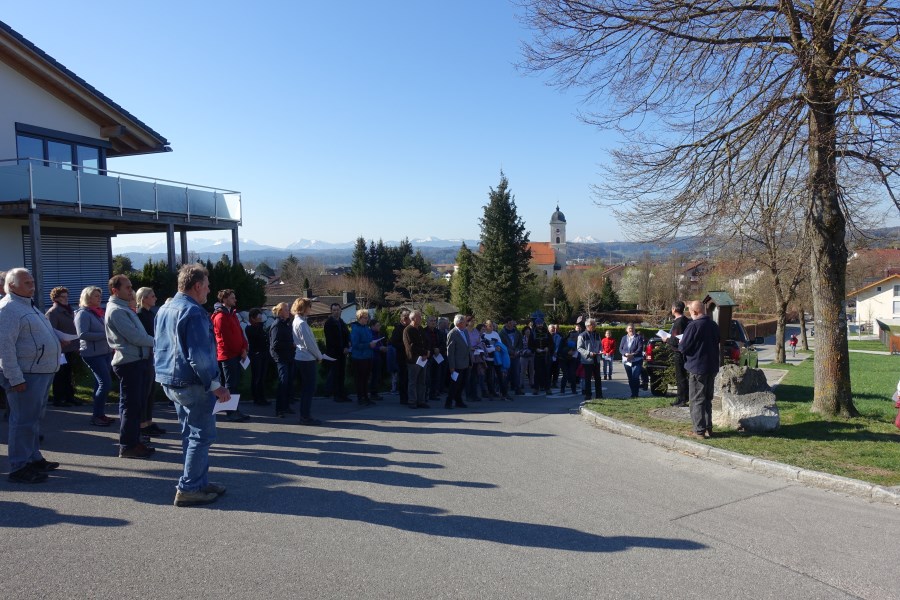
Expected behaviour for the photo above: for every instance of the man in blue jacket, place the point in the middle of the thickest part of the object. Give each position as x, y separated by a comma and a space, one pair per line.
187, 369
700, 347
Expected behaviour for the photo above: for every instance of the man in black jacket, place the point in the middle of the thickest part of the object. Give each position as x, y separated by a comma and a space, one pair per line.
678, 327
397, 343
337, 346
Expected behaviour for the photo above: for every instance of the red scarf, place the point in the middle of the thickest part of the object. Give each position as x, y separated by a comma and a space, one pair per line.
97, 311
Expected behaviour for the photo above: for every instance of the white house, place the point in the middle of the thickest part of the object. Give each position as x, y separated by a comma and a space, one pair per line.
877, 301
59, 204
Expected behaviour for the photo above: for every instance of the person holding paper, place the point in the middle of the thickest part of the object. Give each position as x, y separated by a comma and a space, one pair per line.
459, 361
186, 367
416, 357
306, 357
400, 351
632, 350
362, 351
231, 346
589, 348
29, 357
678, 327
62, 318
433, 367
337, 346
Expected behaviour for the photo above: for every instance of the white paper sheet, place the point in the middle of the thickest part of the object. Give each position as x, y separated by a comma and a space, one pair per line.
422, 362
662, 335
232, 404
438, 358
454, 375
246, 362
62, 359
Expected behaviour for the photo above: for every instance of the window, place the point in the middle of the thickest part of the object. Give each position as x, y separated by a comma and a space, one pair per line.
897, 291
49, 148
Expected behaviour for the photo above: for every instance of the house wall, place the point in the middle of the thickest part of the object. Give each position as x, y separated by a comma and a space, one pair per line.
871, 305
11, 244
26, 102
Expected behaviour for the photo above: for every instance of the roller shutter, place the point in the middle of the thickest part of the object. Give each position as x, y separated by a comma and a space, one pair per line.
73, 261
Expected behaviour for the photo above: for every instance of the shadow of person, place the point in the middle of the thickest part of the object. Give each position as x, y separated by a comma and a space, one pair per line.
21, 515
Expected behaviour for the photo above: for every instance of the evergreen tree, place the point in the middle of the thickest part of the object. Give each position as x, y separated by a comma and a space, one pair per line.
461, 283
609, 300
503, 267
559, 309
359, 262
121, 265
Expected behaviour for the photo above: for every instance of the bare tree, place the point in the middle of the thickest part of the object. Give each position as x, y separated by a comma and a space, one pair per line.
730, 86
416, 288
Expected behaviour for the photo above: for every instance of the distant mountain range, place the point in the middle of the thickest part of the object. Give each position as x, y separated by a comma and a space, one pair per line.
441, 251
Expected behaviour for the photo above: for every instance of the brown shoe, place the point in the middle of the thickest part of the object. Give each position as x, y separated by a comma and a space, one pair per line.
198, 498
139, 451
694, 435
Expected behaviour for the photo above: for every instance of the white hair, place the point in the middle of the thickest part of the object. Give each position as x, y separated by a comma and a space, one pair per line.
458, 319
14, 276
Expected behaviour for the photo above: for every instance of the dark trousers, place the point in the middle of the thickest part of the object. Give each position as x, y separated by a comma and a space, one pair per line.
554, 371
259, 365
701, 389
541, 372
147, 410
457, 387
681, 377
567, 369
432, 379
402, 380
337, 372
515, 375
306, 370
592, 371
472, 389
362, 371
375, 378
231, 373
134, 378
285, 384
634, 378
63, 385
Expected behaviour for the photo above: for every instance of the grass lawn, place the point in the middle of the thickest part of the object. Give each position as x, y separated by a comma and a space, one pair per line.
866, 448
866, 345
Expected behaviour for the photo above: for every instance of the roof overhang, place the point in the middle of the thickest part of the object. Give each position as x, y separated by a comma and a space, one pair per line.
126, 133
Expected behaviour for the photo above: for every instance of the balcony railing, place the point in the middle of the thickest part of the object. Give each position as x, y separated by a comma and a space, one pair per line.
32, 180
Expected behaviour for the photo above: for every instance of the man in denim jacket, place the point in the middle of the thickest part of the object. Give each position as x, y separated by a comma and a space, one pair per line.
186, 367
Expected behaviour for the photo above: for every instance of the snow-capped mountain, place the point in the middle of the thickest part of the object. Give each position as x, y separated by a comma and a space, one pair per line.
225, 245
304, 244
585, 239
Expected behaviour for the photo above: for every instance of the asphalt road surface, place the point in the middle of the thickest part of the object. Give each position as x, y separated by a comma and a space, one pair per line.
515, 500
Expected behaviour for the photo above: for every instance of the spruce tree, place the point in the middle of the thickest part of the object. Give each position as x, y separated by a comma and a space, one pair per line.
609, 300
359, 262
461, 282
503, 266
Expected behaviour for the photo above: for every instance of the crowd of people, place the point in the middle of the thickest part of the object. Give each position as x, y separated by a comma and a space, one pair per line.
199, 359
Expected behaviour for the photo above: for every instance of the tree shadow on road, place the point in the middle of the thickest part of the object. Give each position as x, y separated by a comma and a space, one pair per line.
22, 515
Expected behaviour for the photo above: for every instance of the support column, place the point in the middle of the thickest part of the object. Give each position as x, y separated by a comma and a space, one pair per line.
170, 246
184, 251
235, 246
37, 267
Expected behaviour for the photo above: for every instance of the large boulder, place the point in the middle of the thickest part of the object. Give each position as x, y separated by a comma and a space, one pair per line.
746, 402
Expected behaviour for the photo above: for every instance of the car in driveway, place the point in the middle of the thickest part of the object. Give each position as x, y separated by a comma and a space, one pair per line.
739, 349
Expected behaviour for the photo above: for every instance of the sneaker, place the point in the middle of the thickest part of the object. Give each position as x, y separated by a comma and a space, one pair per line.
101, 421
139, 451
43, 465
27, 475
198, 498
214, 488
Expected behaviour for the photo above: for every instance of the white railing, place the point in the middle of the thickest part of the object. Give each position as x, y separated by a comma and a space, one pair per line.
40, 180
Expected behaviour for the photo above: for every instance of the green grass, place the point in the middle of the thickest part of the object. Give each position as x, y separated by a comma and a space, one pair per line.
866, 448
866, 345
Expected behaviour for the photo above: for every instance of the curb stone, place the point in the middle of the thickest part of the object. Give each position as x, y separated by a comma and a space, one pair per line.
853, 487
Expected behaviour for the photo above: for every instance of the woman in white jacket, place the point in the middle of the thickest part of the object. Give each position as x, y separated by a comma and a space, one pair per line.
306, 357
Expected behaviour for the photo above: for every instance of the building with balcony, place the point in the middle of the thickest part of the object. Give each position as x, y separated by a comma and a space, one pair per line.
60, 206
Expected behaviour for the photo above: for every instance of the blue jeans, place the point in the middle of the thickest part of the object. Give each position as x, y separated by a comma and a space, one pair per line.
101, 368
25, 412
607, 367
194, 406
634, 377
306, 369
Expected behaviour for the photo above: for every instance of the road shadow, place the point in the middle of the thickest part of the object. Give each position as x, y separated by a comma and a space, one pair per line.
25, 516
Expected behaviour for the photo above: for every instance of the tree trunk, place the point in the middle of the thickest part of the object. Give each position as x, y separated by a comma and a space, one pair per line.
780, 355
804, 341
826, 227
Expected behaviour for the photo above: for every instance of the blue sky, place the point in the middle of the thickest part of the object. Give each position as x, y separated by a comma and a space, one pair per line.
336, 120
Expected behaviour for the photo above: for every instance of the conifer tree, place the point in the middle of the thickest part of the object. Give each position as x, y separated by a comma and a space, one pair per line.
503, 266
609, 300
461, 283
359, 262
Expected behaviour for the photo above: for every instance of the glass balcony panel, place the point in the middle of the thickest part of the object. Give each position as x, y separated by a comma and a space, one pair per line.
171, 199
97, 190
202, 203
13, 183
229, 206
138, 195
56, 185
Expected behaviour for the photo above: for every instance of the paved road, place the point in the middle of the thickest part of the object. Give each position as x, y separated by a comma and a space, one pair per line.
504, 500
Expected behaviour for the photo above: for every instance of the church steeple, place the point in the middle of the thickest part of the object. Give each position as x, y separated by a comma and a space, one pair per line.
558, 236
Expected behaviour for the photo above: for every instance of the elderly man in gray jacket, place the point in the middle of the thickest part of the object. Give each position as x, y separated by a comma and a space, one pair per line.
29, 357
131, 363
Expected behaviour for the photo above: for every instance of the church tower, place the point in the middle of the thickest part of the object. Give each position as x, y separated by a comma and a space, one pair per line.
558, 237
